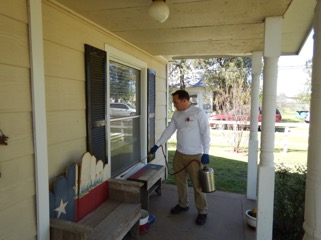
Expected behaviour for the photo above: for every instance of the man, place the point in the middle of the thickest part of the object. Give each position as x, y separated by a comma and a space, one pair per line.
193, 143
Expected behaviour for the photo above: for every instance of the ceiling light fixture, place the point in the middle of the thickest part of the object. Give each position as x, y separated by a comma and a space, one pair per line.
159, 10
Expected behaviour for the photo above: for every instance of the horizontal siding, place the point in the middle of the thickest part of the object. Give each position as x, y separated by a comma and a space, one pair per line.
161, 83
15, 9
69, 31
62, 154
63, 62
18, 222
18, 127
161, 71
65, 126
14, 89
71, 94
161, 125
14, 43
161, 111
17, 179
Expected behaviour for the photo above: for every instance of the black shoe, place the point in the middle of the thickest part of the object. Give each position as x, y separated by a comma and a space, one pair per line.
201, 219
178, 209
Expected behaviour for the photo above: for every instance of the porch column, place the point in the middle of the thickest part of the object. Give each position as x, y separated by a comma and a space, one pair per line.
39, 118
253, 141
272, 49
312, 216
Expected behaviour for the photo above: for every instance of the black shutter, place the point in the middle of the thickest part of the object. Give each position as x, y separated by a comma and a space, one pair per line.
95, 67
151, 88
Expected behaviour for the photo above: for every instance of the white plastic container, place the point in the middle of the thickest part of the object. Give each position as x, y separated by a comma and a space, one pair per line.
249, 219
144, 217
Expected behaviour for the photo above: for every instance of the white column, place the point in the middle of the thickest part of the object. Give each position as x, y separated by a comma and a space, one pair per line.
266, 176
312, 224
39, 118
253, 141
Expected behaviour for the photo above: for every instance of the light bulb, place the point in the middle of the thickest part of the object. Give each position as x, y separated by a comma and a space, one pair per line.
159, 10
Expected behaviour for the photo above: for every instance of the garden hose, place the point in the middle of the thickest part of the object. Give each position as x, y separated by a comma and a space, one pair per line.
194, 160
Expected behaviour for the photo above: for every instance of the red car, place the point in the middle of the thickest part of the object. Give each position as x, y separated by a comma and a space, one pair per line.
236, 115
278, 116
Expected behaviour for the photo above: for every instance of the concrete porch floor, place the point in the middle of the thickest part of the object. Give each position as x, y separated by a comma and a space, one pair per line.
225, 221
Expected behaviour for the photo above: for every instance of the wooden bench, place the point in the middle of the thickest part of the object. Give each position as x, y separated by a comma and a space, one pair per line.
112, 220
151, 176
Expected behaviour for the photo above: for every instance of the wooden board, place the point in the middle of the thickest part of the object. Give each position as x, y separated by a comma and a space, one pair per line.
96, 216
93, 185
115, 226
149, 174
64, 195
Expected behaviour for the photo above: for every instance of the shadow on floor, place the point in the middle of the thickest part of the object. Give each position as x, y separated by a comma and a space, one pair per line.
226, 220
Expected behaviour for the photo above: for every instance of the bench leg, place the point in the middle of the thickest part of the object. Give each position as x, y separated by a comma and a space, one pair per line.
159, 187
144, 199
134, 231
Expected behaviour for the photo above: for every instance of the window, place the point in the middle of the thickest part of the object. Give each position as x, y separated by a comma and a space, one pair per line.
125, 116
126, 110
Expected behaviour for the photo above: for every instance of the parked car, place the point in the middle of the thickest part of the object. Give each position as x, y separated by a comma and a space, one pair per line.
278, 116
234, 115
237, 115
122, 109
307, 118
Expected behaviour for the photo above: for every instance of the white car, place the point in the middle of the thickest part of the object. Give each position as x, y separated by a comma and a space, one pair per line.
307, 118
122, 110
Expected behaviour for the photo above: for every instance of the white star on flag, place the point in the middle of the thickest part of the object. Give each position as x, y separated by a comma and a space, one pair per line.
61, 208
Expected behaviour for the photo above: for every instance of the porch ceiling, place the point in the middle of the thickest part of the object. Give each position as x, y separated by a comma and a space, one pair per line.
201, 28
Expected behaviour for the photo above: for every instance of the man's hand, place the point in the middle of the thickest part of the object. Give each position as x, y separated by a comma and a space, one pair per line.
153, 149
205, 159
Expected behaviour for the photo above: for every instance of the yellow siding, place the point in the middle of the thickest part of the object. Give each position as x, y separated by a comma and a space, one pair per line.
63, 62
15, 9
12, 189
17, 179
64, 38
13, 42
71, 92
14, 89
18, 222
62, 154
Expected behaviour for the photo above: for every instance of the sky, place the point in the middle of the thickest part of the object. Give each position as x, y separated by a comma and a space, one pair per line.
291, 75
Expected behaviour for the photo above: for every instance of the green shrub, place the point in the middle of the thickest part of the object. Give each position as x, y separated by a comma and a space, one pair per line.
289, 203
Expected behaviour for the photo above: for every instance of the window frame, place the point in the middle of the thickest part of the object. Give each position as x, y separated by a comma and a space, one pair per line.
116, 55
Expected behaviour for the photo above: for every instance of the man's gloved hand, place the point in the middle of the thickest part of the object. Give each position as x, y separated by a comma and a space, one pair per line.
153, 149
205, 159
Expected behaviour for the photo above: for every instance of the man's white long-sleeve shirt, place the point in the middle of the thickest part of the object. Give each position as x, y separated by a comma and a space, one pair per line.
193, 131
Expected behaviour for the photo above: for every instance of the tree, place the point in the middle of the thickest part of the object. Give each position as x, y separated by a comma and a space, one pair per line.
230, 82
305, 95
178, 71
122, 83
223, 75
228, 79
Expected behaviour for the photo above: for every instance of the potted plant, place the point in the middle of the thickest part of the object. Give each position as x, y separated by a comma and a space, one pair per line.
251, 217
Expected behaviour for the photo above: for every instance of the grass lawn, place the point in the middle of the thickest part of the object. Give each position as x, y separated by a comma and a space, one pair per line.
230, 175
231, 168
